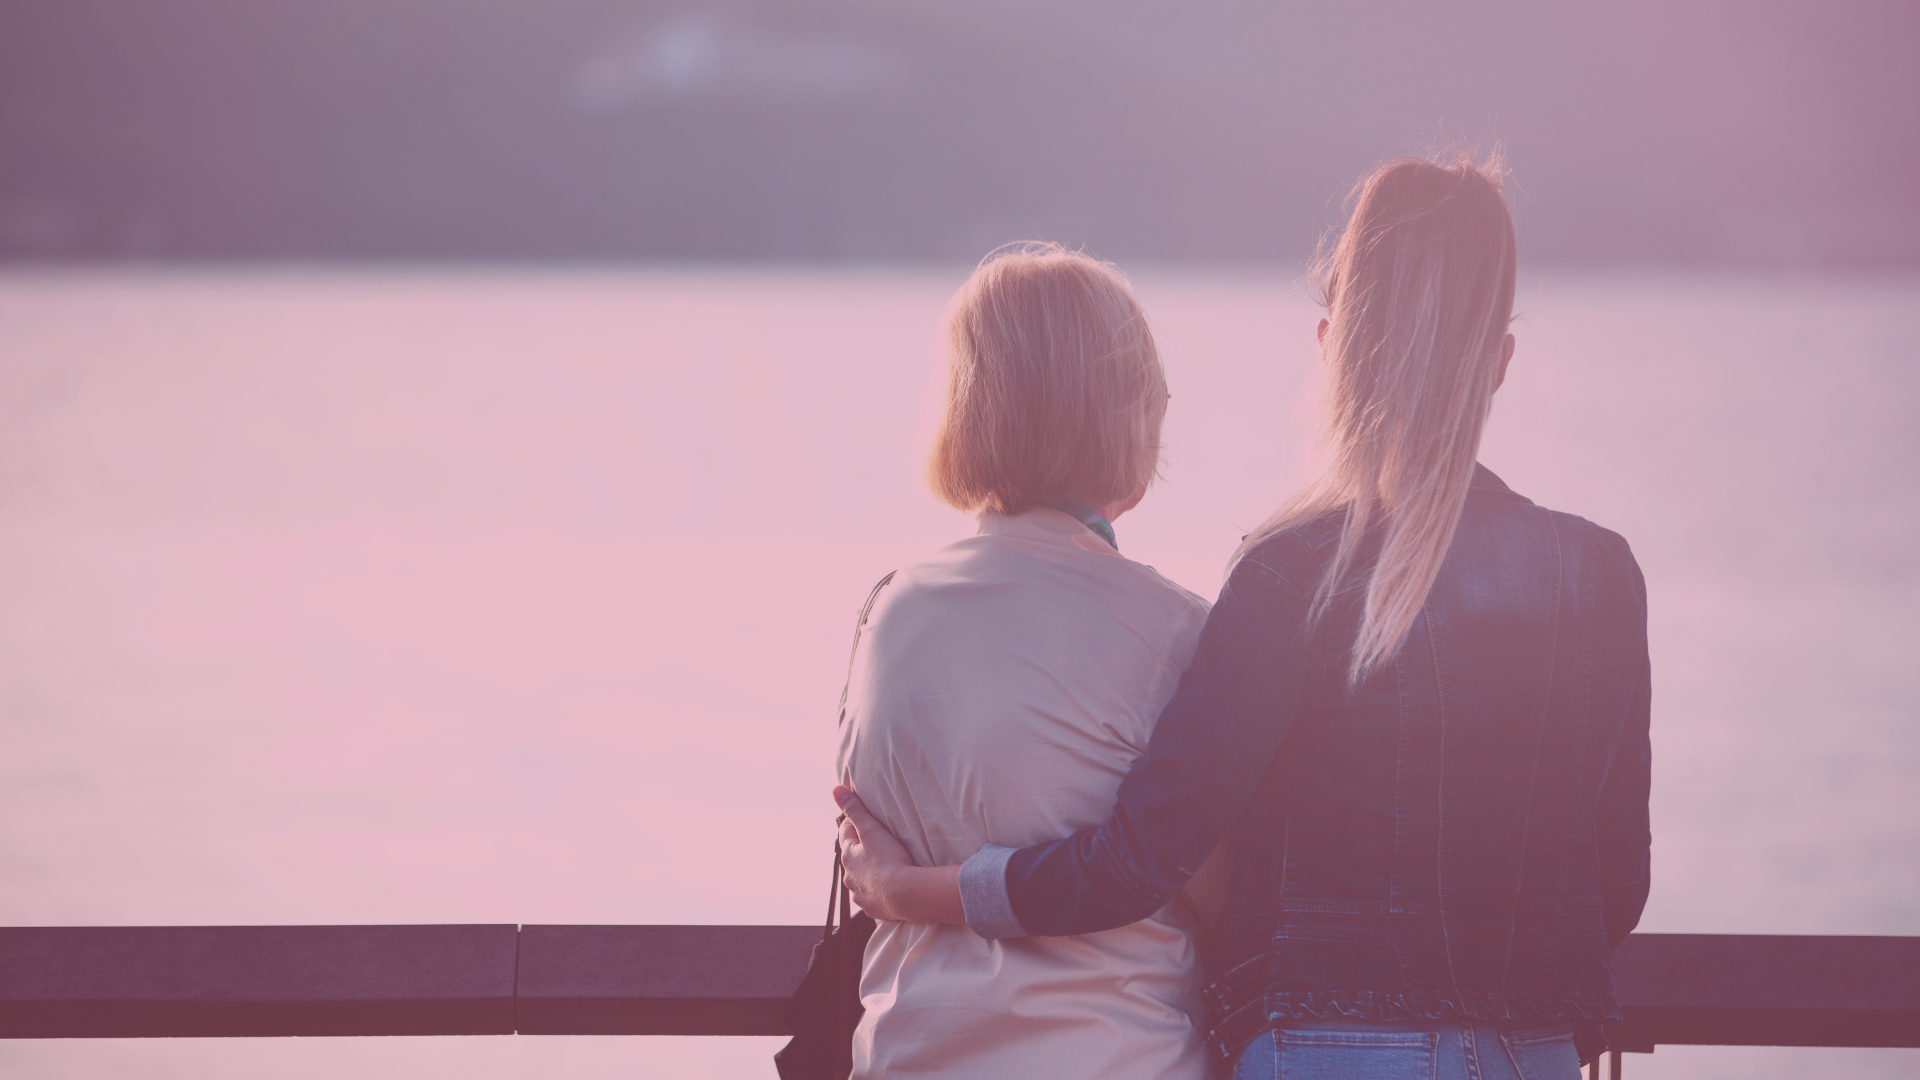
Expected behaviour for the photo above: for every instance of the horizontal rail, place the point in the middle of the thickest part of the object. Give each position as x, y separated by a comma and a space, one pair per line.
152, 981
145, 981
1767, 990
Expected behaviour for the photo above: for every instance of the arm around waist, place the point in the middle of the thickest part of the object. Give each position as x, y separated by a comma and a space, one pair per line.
1209, 749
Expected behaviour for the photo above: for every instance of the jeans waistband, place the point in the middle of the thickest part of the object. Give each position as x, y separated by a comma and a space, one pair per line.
1348, 1023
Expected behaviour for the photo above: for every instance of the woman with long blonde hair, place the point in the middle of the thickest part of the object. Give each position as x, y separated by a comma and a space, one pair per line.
1415, 730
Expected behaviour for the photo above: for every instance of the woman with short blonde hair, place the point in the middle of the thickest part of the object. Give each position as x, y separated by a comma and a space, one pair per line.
1054, 392
1002, 687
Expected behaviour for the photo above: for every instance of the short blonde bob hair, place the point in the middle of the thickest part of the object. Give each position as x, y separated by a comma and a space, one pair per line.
1055, 392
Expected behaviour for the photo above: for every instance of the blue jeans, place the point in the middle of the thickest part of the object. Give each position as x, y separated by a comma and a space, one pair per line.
1410, 1050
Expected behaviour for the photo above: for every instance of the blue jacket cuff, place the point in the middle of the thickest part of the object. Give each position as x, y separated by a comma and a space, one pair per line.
983, 894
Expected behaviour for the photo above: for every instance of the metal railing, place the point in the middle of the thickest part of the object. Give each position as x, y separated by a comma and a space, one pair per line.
250, 981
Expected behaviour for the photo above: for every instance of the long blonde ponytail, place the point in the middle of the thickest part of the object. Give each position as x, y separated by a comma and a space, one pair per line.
1419, 292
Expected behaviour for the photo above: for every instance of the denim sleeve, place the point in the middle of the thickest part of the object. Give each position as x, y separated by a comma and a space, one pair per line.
983, 894
1621, 822
1212, 744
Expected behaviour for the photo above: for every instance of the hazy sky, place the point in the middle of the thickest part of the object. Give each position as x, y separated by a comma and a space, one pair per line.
1702, 130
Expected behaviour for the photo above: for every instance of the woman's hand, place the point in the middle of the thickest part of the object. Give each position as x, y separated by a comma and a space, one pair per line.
882, 877
869, 853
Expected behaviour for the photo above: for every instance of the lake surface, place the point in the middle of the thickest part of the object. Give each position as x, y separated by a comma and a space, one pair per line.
448, 595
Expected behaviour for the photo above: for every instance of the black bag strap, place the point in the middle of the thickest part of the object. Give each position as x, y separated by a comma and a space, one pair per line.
837, 892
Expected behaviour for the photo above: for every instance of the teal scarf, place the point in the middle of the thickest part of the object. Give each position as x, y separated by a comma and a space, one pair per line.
1092, 519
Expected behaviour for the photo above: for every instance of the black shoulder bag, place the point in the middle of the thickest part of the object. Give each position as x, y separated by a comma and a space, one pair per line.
826, 1008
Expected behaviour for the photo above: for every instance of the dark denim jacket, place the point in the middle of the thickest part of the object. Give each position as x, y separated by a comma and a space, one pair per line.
1464, 836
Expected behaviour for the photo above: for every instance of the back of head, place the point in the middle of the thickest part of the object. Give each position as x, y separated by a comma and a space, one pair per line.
1419, 292
1055, 391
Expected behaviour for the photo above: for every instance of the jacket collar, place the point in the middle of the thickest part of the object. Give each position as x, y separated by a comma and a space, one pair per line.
1046, 525
1484, 480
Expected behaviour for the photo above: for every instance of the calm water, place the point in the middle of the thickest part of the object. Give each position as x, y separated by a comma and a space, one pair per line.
524, 596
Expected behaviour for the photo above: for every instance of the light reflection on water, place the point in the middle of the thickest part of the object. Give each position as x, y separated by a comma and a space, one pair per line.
464, 596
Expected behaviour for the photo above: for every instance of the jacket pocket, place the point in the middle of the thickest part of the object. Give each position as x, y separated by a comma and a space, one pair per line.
1543, 1053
